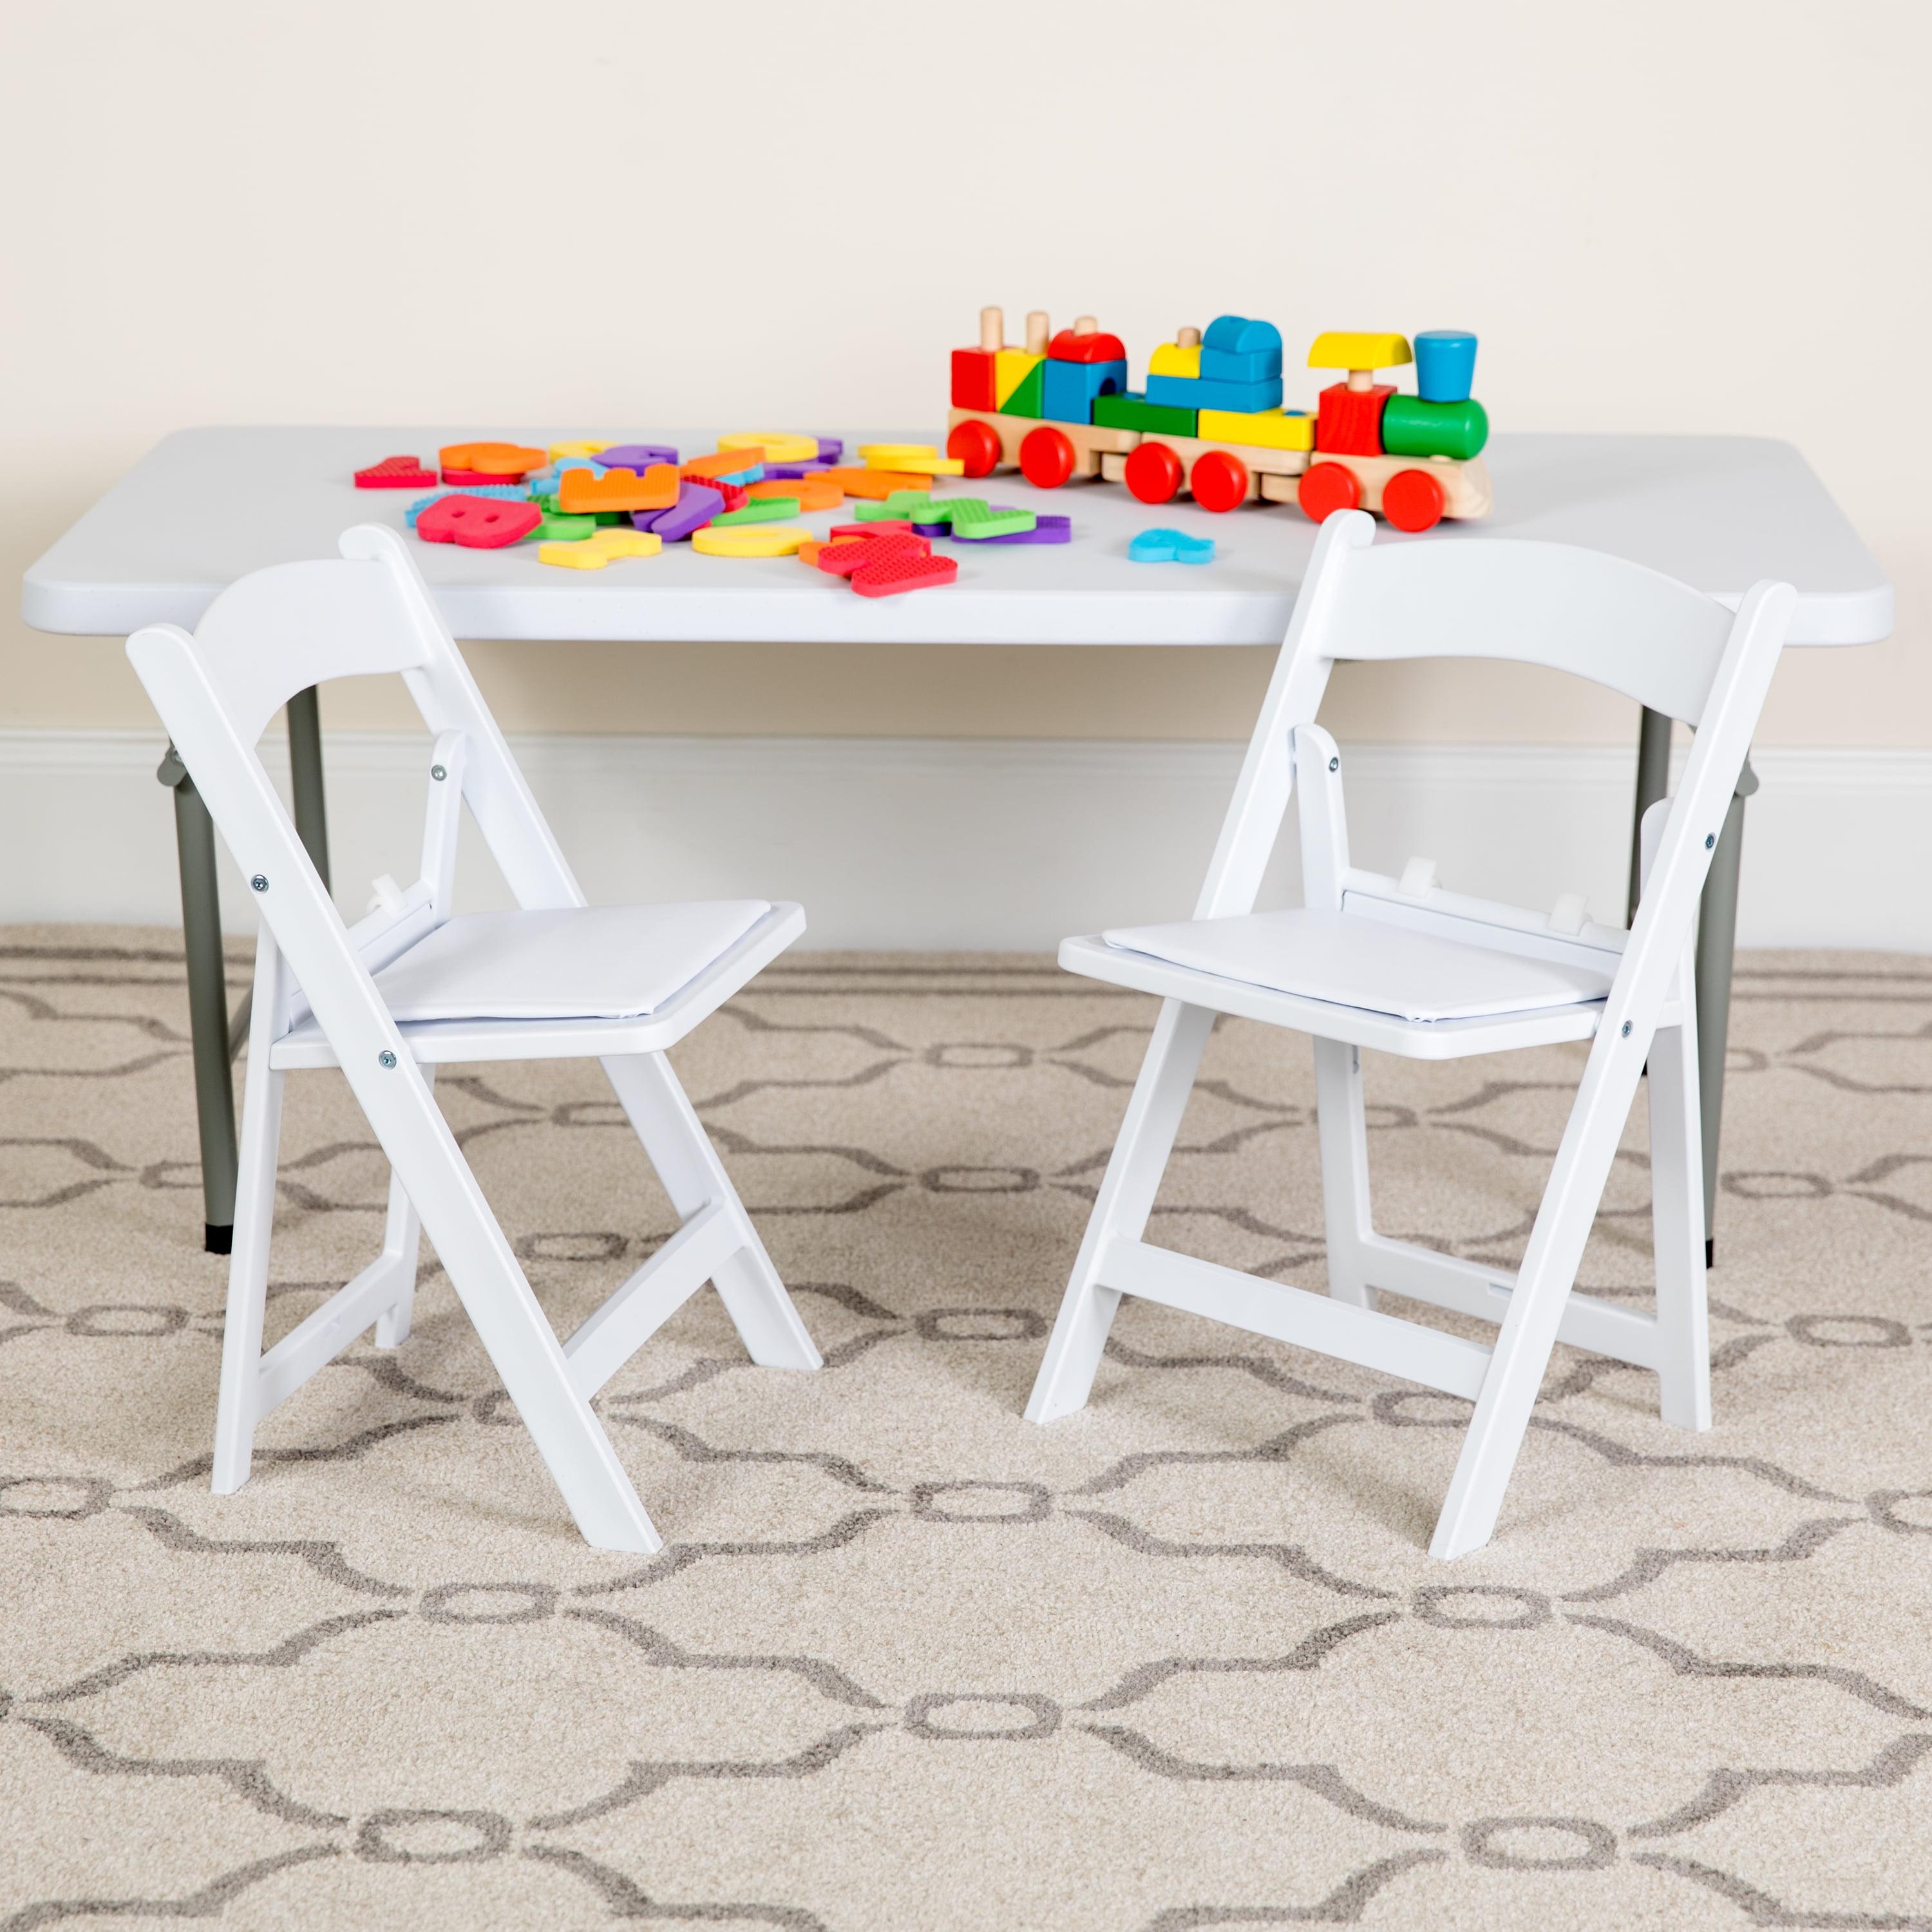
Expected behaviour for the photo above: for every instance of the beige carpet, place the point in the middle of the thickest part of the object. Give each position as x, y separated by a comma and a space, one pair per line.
907, 1661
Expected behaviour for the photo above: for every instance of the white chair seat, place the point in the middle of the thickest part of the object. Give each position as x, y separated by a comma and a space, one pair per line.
574, 963
482, 973
1354, 962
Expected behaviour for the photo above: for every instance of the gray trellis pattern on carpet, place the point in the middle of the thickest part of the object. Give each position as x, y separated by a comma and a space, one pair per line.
1179, 1661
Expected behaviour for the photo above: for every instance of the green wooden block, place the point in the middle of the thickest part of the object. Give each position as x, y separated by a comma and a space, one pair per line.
972, 520
1137, 413
760, 510
557, 528
1030, 398
1412, 427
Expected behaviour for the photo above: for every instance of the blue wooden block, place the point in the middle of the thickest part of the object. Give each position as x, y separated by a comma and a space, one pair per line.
1224, 365
1187, 392
1069, 388
1236, 335
1445, 365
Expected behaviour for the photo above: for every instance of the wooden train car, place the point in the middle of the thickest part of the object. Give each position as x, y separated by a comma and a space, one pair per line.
1211, 420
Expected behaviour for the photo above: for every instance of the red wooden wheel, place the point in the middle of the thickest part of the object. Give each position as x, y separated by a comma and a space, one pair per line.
1326, 488
977, 445
1412, 499
1046, 458
1153, 473
1219, 481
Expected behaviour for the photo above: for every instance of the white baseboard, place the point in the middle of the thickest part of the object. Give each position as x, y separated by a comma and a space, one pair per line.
994, 844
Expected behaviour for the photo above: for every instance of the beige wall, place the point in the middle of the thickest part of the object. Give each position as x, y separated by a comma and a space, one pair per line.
1705, 215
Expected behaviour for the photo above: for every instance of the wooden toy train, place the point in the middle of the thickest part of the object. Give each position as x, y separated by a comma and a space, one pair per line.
1210, 419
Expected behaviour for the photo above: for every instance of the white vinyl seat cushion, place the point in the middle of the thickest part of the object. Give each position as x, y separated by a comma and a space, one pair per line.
1351, 960
578, 962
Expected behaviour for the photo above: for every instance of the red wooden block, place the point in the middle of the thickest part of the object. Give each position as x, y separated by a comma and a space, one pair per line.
394, 472
1350, 421
1068, 347
1046, 458
973, 387
1154, 473
1326, 488
900, 570
977, 445
1219, 479
1412, 500
477, 523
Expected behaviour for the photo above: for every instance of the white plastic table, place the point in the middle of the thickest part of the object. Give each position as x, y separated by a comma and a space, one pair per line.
208, 506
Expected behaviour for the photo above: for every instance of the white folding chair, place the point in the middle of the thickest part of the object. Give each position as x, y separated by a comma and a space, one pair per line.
411, 986
1409, 968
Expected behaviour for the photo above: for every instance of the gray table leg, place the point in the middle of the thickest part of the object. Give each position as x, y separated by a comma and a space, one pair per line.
207, 969
305, 777
207, 1004
1717, 933
1653, 782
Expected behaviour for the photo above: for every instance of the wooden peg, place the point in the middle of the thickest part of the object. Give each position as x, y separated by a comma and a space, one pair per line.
992, 330
1188, 338
1037, 332
1085, 324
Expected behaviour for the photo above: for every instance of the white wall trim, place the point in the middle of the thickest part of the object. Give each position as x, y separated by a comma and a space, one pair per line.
993, 843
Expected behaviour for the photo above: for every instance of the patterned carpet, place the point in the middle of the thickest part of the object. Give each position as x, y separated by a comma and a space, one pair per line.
906, 1661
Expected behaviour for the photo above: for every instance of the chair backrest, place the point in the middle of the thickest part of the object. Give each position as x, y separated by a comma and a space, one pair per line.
1600, 617
1646, 635
278, 631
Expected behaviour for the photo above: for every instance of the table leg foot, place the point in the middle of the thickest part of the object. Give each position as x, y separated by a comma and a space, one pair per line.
217, 1241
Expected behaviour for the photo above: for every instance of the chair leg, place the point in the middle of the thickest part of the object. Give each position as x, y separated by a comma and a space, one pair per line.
1543, 1285
1677, 1230
236, 1408
402, 1237
676, 1145
1121, 1208
1342, 1121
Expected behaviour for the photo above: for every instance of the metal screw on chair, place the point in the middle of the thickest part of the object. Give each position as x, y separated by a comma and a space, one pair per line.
1334, 764
1710, 839
1627, 1027
437, 773
259, 882
388, 1059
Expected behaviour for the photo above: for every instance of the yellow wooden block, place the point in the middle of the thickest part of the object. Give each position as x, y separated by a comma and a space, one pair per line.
751, 540
609, 546
1171, 358
559, 450
1345, 349
779, 445
1270, 429
1011, 367
878, 455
